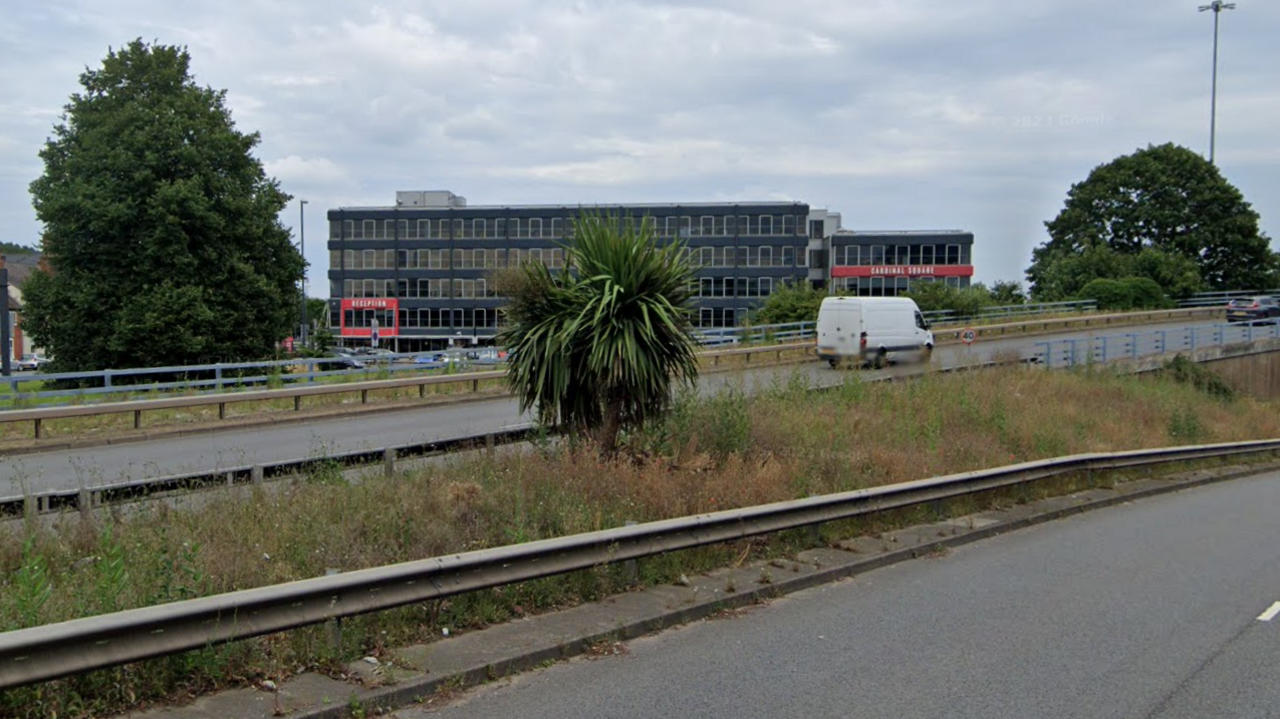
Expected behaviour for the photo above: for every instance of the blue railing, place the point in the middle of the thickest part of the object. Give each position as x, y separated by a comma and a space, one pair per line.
1109, 348
222, 377
787, 332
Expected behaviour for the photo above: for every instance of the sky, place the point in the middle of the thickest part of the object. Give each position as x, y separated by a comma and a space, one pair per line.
898, 114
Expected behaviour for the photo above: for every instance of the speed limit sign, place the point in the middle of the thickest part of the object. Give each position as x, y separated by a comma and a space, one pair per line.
968, 335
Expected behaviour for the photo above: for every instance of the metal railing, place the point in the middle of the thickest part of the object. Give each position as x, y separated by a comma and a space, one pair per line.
1024, 310
57, 650
1218, 299
1109, 348
86, 498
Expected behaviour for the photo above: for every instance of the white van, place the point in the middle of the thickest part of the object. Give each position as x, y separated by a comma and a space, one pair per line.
866, 330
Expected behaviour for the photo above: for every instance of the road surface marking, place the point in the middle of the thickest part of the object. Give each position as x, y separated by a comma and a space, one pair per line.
1270, 614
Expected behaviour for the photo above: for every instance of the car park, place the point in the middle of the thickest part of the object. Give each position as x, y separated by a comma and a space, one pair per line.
1253, 309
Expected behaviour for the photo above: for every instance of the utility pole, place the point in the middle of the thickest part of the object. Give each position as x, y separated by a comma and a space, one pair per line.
1217, 6
302, 241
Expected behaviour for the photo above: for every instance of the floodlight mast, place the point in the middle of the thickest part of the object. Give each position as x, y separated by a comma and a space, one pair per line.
1217, 6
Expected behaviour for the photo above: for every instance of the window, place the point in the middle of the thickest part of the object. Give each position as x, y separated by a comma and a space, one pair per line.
788, 224
478, 228
746, 226
766, 286
707, 226
788, 256
534, 255
766, 225
370, 229
335, 229
557, 227
686, 226
535, 227
953, 255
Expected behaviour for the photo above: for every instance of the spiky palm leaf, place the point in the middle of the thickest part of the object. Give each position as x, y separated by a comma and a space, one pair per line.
600, 345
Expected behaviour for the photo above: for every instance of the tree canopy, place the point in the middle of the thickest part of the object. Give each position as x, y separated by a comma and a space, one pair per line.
160, 226
1163, 212
790, 303
600, 346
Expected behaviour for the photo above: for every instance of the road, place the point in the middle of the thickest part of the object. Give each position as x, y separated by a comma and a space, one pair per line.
71, 469
1151, 610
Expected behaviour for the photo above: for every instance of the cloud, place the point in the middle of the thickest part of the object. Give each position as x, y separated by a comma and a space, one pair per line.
896, 113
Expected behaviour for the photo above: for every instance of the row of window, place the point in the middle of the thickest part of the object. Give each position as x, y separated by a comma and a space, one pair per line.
560, 227
715, 287
488, 318
887, 286
468, 259
477, 317
420, 288
901, 255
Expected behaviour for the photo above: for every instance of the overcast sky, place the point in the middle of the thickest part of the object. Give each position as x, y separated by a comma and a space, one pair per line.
899, 114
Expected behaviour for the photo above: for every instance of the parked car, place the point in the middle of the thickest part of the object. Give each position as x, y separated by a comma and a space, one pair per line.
1253, 309
375, 354
32, 362
339, 360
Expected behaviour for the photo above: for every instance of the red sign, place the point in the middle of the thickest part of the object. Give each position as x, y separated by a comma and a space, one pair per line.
288, 344
902, 271
371, 304
357, 322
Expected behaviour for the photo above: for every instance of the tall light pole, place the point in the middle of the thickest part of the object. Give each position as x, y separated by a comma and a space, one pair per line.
302, 242
1217, 6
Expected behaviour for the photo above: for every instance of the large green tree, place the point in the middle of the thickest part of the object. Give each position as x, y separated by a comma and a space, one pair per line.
160, 226
1163, 212
601, 345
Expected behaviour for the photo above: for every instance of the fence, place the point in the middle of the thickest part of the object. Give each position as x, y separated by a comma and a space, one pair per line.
48, 652
1100, 350
1025, 310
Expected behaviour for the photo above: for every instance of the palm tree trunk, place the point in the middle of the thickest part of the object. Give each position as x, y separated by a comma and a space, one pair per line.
612, 426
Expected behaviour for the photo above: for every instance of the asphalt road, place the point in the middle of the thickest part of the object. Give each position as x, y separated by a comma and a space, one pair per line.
1160, 609
71, 469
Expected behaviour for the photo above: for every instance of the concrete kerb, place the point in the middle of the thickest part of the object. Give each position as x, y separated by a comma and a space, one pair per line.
426, 674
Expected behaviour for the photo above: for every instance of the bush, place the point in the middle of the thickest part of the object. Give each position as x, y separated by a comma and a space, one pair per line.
1126, 294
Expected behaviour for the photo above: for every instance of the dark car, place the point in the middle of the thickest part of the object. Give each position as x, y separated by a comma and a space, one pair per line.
338, 360
1253, 309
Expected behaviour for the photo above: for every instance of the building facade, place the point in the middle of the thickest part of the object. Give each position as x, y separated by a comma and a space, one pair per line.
417, 275
886, 264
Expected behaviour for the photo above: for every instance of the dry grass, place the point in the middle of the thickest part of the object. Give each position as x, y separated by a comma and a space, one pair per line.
710, 454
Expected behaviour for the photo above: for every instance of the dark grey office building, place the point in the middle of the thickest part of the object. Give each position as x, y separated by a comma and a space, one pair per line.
417, 272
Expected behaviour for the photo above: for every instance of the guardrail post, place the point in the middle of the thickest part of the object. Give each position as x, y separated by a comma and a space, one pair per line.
37, 423
364, 396
335, 624
137, 419
631, 568
475, 385
222, 410
1133, 345
1104, 349
256, 474
1164, 342
217, 375
30, 505
1192, 338
389, 461
106, 378
297, 403
422, 390
84, 501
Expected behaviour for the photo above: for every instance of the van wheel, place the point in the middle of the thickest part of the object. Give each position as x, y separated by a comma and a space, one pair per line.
928, 352
835, 363
879, 361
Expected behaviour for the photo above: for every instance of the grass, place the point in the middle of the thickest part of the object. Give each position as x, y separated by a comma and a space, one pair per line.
711, 453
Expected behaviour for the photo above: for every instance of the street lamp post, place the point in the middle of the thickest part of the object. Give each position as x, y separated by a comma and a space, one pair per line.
302, 243
1217, 6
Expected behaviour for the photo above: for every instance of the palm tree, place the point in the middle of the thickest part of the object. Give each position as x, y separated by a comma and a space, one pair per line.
600, 345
